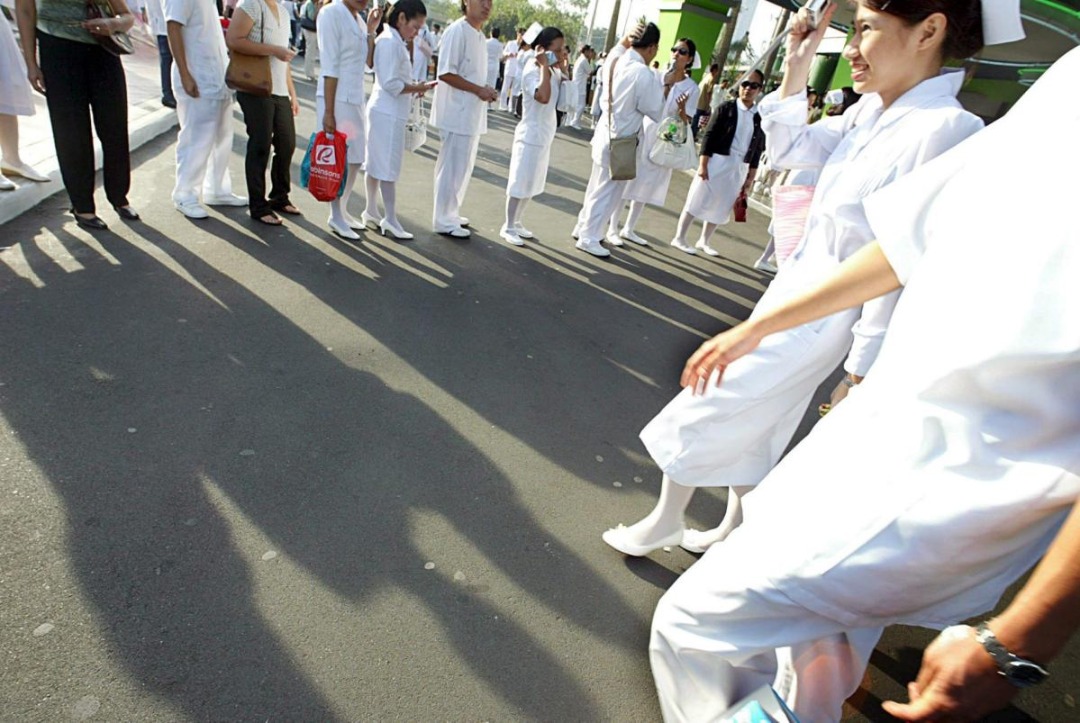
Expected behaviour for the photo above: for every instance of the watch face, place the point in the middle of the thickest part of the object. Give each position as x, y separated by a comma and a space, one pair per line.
1024, 674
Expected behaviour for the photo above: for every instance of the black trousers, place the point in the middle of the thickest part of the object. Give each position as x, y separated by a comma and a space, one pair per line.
269, 124
80, 80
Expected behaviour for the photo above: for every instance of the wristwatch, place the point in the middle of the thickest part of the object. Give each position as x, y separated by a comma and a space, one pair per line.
1018, 671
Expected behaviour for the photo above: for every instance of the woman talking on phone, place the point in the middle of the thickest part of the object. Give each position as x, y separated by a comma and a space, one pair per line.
734, 434
533, 136
388, 110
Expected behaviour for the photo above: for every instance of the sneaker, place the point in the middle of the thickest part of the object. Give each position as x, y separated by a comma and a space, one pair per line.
523, 232
613, 239
227, 199
510, 236
681, 245
192, 209
592, 246
704, 246
629, 235
766, 267
454, 231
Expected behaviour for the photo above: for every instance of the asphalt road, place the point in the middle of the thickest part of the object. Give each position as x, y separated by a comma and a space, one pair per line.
266, 474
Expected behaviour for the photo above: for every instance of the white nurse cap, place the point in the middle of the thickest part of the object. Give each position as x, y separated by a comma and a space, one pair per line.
1001, 21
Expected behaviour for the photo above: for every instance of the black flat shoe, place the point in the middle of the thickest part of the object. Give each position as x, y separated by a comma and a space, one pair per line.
93, 223
127, 213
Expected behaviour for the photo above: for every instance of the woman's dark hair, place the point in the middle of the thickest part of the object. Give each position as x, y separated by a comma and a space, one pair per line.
649, 37
546, 37
692, 47
411, 9
963, 33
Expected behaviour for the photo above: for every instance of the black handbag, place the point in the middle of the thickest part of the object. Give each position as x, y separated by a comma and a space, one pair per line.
118, 43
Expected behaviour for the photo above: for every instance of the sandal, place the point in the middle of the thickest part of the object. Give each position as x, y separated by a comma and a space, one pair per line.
270, 219
289, 209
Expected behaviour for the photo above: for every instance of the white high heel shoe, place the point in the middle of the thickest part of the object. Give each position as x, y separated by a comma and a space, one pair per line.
396, 232
369, 221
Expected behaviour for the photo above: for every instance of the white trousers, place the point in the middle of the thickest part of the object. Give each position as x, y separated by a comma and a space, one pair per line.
453, 169
203, 147
311, 52
602, 196
722, 630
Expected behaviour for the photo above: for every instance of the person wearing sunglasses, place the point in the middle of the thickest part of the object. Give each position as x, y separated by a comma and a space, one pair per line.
731, 149
732, 435
651, 184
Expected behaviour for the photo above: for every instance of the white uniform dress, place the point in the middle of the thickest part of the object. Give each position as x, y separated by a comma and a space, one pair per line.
494, 54
712, 200
343, 51
944, 476
635, 94
388, 108
733, 435
461, 117
651, 183
204, 144
16, 95
533, 136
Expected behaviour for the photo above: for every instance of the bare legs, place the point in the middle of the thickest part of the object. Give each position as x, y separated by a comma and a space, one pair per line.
11, 162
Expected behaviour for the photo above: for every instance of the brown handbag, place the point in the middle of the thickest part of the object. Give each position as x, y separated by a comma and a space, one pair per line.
118, 43
250, 73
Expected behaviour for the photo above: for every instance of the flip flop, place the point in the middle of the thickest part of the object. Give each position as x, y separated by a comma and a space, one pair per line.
289, 209
268, 219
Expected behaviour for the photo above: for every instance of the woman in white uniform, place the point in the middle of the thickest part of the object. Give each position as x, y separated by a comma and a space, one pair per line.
733, 435
16, 99
533, 136
346, 48
651, 184
731, 149
388, 110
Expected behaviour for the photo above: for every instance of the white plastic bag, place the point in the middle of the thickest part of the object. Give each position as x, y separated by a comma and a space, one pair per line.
416, 126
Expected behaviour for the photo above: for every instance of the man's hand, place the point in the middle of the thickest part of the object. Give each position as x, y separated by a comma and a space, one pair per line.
488, 94
958, 681
190, 86
329, 123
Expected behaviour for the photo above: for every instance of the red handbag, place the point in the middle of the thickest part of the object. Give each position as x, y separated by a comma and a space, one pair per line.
740, 208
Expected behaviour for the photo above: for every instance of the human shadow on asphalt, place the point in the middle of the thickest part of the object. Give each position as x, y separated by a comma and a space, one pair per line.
227, 396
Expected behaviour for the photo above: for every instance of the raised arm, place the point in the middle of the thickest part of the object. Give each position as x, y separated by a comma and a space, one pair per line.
865, 275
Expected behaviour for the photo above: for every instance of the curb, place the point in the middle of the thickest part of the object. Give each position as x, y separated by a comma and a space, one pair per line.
145, 129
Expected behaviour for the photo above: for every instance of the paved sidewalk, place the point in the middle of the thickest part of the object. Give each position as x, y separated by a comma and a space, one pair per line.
147, 119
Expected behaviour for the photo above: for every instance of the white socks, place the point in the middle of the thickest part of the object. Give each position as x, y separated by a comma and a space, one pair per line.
666, 518
339, 206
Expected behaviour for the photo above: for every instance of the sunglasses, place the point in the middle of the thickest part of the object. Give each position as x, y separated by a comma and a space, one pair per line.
751, 85
681, 51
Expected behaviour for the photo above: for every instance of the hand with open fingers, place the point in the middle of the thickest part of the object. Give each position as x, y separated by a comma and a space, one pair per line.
680, 102
717, 353
803, 40
373, 18
634, 35
958, 681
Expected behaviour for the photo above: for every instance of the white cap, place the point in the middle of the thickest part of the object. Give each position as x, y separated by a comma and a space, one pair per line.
1001, 22
697, 61
534, 30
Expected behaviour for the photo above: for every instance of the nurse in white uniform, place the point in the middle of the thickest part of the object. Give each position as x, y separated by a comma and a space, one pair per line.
460, 113
651, 184
494, 56
203, 106
733, 435
533, 136
635, 93
958, 460
580, 79
388, 110
510, 71
16, 99
346, 48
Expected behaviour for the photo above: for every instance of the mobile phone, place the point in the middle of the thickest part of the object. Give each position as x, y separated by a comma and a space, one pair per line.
552, 59
816, 8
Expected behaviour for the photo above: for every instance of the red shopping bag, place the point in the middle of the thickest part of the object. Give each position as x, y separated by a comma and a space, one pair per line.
740, 208
327, 165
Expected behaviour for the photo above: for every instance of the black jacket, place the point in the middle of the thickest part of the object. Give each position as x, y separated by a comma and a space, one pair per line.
720, 133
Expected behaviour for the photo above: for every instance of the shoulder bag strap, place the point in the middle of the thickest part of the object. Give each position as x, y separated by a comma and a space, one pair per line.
611, 100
